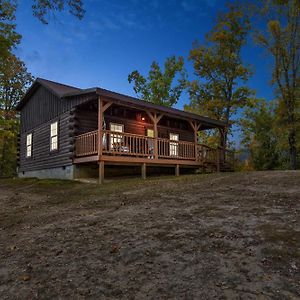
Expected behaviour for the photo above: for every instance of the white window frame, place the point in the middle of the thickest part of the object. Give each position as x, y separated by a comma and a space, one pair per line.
54, 136
174, 146
29, 145
115, 138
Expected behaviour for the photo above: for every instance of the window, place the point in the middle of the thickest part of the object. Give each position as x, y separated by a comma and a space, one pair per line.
29, 145
53, 136
150, 133
174, 138
116, 139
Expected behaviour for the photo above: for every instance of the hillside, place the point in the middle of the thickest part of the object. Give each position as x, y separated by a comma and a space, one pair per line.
214, 236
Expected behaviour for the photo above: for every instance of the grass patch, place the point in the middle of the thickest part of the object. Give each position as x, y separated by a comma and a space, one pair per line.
35, 181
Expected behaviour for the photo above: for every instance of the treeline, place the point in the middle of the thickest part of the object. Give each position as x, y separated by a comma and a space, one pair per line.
14, 76
270, 130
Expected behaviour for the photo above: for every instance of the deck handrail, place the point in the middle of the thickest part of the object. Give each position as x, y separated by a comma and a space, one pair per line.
179, 142
175, 149
126, 133
86, 144
86, 133
127, 144
136, 145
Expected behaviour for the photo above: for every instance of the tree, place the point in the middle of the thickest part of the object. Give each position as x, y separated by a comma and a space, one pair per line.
41, 9
14, 81
161, 87
14, 77
282, 40
217, 91
259, 135
9, 38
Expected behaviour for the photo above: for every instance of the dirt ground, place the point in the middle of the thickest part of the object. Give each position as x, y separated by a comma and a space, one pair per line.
217, 236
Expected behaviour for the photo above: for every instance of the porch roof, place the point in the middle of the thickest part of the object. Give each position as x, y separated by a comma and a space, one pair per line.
66, 92
141, 104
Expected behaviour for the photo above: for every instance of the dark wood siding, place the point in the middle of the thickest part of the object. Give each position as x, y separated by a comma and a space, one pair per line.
87, 120
37, 114
133, 125
42, 158
43, 106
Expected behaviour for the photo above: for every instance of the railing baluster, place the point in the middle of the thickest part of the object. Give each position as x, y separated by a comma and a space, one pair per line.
137, 145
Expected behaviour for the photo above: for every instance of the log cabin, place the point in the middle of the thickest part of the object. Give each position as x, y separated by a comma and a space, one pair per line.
69, 133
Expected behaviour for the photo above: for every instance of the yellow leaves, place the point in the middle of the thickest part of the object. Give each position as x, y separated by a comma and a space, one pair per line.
274, 27
220, 36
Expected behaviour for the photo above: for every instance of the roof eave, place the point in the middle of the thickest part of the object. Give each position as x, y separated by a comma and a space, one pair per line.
156, 107
27, 94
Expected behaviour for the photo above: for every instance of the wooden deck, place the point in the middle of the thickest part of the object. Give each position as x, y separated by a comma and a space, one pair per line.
127, 148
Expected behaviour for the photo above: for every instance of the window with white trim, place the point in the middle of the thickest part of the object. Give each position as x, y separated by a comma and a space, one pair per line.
174, 138
54, 136
116, 139
29, 145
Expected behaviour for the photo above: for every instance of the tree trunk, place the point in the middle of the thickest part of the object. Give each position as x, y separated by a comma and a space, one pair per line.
3, 160
225, 137
293, 149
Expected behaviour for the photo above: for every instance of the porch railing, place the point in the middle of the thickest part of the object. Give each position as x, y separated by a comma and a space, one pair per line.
121, 143
206, 154
128, 144
86, 144
175, 149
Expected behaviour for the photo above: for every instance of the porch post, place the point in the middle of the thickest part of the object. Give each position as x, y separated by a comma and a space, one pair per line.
155, 119
155, 137
222, 145
101, 172
100, 122
196, 142
195, 126
144, 174
177, 170
101, 109
222, 137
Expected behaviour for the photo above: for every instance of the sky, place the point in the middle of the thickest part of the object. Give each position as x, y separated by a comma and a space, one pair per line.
116, 37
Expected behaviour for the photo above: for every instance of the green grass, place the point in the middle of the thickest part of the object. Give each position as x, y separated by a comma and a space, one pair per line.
108, 185
88, 195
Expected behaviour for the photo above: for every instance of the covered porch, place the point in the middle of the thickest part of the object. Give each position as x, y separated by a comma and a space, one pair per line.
127, 133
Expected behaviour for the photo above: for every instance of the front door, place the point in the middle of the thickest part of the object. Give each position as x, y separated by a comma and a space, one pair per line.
174, 138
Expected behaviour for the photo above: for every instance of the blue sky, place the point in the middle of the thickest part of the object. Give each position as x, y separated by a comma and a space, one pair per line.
116, 37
